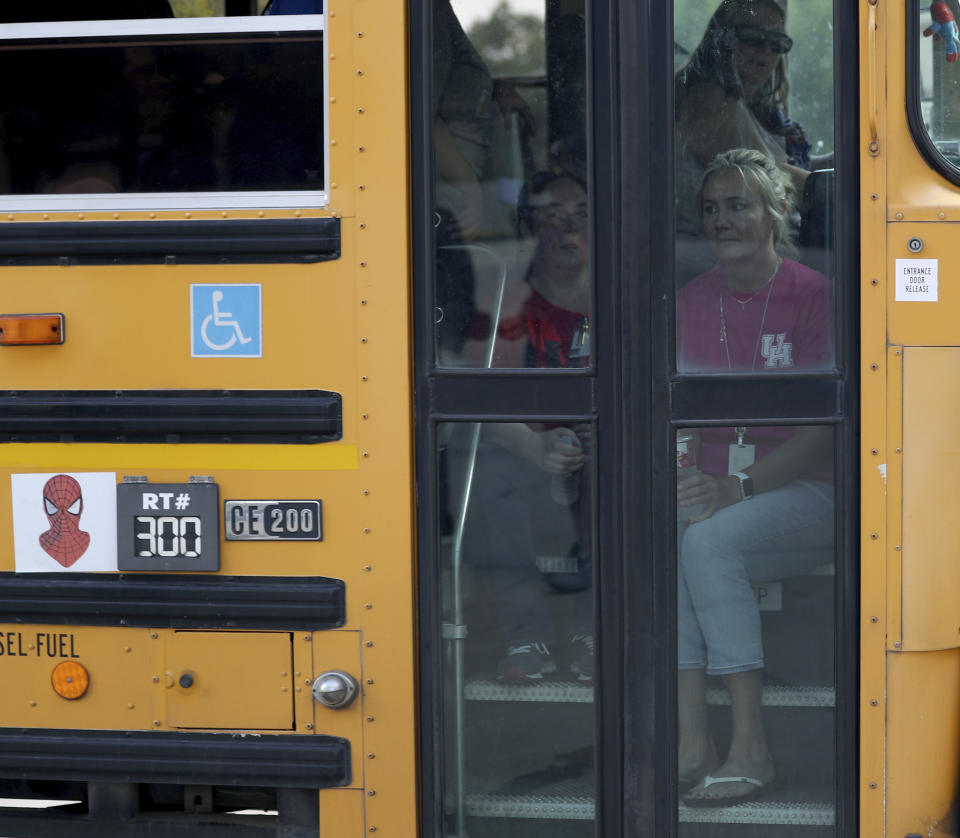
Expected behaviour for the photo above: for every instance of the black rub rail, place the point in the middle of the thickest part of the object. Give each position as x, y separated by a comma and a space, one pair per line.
313, 603
197, 416
233, 241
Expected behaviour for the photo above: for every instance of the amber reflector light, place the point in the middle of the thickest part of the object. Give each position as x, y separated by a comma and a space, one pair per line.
30, 329
70, 679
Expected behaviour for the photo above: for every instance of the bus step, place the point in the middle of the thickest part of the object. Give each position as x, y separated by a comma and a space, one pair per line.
571, 692
575, 803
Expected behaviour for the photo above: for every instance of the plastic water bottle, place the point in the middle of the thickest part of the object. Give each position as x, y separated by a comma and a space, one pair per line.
565, 488
686, 468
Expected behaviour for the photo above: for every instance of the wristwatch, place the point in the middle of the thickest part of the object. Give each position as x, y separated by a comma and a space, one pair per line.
746, 485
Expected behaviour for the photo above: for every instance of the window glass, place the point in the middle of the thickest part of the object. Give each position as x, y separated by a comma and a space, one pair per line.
755, 626
754, 186
939, 86
511, 204
147, 104
517, 608
71, 10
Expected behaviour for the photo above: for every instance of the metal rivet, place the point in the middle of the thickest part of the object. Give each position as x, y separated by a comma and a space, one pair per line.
362, 148
126, 648
309, 725
873, 702
363, 340
366, 530
81, 216
363, 264
333, 142
359, 72
873, 785
874, 619
371, 793
368, 644
896, 645
333, 98
874, 451
363, 226
874, 536
363, 378
155, 679
874, 367
874, 197
899, 216
370, 719
224, 214
156, 722
897, 548
361, 187
367, 568
130, 705
308, 682
46, 217
372, 828
366, 454
359, 110
874, 281
260, 214
941, 215
363, 302
359, 34
371, 756
364, 415
154, 635
308, 637
33, 703
368, 605
365, 493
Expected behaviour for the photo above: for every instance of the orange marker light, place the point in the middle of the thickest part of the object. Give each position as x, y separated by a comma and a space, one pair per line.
30, 329
70, 679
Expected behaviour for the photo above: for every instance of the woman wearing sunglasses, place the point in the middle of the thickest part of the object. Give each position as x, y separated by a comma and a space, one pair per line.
732, 93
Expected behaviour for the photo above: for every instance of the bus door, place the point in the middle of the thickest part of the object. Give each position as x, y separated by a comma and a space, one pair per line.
637, 579
205, 498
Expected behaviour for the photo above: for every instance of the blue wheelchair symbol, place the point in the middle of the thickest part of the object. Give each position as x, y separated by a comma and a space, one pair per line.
225, 321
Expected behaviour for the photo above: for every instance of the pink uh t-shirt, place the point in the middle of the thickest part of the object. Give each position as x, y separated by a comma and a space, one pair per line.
787, 325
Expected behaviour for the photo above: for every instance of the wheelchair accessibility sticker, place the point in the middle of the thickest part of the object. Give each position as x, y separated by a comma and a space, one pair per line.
225, 321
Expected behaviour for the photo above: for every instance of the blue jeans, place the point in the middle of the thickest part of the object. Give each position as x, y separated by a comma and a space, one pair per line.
774, 535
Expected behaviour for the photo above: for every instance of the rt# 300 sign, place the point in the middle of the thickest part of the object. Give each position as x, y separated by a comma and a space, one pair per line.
168, 526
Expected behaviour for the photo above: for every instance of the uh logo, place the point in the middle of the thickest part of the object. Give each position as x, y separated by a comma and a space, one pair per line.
776, 351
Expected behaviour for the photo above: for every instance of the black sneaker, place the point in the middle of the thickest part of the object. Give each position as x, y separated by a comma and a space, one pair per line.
581, 664
526, 664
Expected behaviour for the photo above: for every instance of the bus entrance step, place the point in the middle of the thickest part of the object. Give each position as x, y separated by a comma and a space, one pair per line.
572, 801
571, 692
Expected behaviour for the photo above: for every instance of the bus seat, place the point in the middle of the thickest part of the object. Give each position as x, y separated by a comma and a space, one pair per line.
816, 221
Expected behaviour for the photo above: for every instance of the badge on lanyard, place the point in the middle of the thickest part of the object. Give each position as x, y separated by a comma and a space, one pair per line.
741, 456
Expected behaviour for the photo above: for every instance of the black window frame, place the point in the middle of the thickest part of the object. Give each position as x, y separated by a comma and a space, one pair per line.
637, 400
925, 144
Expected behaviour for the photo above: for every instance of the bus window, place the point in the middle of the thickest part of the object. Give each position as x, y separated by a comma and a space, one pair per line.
511, 214
227, 112
755, 618
934, 93
755, 296
516, 598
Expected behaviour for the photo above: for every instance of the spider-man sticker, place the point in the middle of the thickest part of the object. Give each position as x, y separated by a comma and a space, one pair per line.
65, 522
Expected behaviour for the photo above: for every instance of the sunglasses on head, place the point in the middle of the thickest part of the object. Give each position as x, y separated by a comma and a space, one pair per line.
756, 36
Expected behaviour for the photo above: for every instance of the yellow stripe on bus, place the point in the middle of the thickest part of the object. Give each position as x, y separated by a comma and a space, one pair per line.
200, 458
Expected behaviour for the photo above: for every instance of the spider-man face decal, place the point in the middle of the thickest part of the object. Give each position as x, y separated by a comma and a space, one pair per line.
63, 503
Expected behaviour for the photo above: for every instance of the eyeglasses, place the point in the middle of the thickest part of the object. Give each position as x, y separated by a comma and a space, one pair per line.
757, 36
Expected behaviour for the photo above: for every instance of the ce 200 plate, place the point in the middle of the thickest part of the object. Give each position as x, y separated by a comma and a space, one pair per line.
273, 520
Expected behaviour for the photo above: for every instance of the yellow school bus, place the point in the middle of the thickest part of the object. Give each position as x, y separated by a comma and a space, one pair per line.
471, 418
